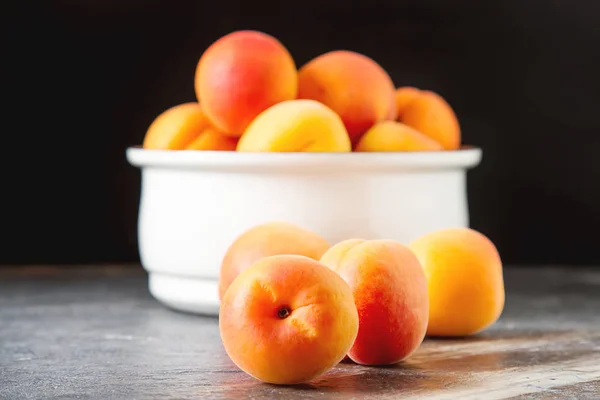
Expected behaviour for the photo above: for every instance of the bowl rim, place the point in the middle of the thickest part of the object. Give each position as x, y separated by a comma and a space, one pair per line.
464, 158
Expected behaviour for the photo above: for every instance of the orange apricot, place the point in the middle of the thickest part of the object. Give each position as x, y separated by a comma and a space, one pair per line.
465, 283
404, 95
242, 74
287, 319
395, 136
268, 239
296, 126
431, 115
390, 293
210, 139
176, 128
352, 85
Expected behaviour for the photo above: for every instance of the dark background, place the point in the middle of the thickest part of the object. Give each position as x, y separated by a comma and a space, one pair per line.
86, 78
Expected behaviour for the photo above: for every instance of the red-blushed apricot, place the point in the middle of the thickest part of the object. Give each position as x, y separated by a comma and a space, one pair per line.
390, 293
464, 275
176, 128
334, 254
352, 85
268, 239
242, 74
287, 319
395, 136
210, 139
296, 126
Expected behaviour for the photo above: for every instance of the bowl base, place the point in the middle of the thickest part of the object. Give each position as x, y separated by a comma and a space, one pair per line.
184, 293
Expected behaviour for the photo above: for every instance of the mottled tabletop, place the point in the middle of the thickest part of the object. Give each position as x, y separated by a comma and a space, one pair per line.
96, 333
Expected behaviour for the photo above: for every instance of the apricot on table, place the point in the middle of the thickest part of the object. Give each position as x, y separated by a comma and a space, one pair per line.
395, 136
242, 74
210, 139
268, 239
390, 293
465, 282
176, 128
430, 114
287, 319
296, 126
352, 85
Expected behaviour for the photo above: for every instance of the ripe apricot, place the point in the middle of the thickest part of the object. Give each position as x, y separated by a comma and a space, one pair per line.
296, 126
431, 115
287, 319
395, 136
242, 74
210, 139
464, 275
352, 85
176, 128
268, 239
390, 293
404, 95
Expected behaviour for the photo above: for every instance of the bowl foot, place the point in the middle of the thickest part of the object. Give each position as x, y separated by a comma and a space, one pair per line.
184, 293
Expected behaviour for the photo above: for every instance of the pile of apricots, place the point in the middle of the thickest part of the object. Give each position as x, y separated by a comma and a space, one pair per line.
252, 98
293, 307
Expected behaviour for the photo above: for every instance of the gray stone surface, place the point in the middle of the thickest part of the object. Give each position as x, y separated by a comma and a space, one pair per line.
96, 333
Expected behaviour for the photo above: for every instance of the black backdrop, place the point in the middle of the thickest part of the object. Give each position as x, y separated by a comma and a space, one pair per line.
86, 77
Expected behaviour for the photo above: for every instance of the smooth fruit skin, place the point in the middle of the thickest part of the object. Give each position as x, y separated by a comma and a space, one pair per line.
242, 74
316, 335
404, 96
431, 115
351, 84
296, 126
395, 136
210, 139
268, 239
335, 253
465, 282
176, 128
390, 293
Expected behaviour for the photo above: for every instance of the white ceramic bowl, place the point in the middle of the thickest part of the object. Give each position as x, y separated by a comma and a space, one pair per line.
195, 203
